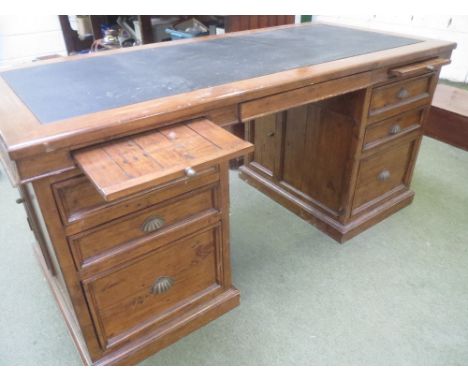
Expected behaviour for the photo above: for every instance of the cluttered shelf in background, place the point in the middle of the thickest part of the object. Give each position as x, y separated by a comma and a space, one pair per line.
97, 32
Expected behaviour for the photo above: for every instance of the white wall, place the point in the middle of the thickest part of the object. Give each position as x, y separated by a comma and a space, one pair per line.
450, 28
23, 38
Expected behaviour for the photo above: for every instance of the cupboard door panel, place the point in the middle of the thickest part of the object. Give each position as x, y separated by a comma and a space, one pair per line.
317, 141
329, 141
295, 156
265, 137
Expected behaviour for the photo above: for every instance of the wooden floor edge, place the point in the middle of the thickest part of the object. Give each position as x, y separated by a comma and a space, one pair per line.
448, 127
447, 120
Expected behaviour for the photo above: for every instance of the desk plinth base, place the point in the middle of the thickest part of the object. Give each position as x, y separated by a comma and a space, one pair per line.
333, 228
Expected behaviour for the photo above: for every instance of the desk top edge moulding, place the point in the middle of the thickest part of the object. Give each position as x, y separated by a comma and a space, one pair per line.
121, 160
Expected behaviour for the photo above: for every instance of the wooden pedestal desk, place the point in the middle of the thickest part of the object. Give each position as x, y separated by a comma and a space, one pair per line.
121, 162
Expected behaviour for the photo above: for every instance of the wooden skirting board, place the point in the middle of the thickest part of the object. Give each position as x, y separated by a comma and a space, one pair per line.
447, 120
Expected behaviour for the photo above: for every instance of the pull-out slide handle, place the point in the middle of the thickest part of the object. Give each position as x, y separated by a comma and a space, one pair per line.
419, 67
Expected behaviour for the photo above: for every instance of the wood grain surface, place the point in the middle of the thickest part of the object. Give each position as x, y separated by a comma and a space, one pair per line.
127, 166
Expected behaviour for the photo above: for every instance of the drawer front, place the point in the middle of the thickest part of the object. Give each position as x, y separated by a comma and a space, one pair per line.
392, 128
297, 97
397, 97
82, 207
140, 296
382, 173
122, 234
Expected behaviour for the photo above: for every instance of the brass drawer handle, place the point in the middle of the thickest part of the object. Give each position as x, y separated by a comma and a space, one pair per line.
403, 93
162, 285
152, 224
190, 172
395, 129
384, 175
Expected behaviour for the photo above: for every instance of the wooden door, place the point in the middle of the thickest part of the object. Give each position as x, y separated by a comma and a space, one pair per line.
246, 22
265, 133
316, 150
306, 150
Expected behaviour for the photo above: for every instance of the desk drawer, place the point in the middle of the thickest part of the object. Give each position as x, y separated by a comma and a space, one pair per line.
398, 97
392, 128
307, 94
82, 207
381, 173
122, 235
137, 296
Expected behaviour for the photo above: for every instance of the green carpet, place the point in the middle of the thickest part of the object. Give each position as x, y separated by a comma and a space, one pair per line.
395, 295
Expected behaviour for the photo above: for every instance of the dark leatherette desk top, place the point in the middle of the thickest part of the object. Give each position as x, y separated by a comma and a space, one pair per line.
86, 86
71, 102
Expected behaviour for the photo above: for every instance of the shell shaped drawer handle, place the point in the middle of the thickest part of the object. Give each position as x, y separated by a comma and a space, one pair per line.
152, 224
190, 172
403, 93
162, 285
384, 175
395, 129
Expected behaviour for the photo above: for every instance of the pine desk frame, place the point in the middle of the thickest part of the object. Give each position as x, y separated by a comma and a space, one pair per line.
35, 155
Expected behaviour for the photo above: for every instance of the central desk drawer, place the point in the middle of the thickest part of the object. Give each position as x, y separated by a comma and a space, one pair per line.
127, 300
398, 97
293, 98
123, 234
